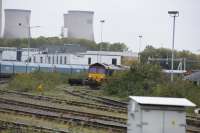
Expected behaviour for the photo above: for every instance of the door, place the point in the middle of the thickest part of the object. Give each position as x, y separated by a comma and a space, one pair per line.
175, 122
19, 55
114, 61
152, 121
89, 61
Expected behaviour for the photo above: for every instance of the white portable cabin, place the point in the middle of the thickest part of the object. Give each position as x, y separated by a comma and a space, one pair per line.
157, 114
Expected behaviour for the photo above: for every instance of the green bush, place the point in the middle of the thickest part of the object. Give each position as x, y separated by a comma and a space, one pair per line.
179, 88
139, 80
148, 80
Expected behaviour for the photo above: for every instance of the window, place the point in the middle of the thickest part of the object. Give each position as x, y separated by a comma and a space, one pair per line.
114, 61
60, 59
101, 70
92, 70
97, 70
57, 60
89, 61
53, 60
34, 59
65, 60
41, 59
49, 59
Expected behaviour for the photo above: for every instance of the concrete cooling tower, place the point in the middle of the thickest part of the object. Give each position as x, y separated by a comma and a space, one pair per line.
79, 24
0, 18
17, 23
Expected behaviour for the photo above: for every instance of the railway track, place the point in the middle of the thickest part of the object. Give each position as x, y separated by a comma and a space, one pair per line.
106, 101
192, 129
193, 123
65, 111
68, 102
16, 126
4, 80
117, 125
64, 115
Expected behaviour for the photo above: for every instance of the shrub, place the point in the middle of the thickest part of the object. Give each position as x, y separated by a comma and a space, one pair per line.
148, 80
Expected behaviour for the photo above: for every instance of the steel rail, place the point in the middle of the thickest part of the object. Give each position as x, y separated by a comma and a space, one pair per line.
99, 123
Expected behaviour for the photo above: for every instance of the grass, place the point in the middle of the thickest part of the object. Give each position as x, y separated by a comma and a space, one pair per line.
51, 84
30, 82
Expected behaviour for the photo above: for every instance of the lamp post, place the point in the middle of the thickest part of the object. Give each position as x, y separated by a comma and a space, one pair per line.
102, 22
140, 43
29, 37
173, 14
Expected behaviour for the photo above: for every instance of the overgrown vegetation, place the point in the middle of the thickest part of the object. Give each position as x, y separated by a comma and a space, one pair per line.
30, 82
192, 60
44, 41
148, 80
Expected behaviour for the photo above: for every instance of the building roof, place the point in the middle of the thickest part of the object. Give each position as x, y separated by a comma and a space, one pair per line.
163, 101
79, 11
111, 53
66, 48
17, 10
193, 77
174, 71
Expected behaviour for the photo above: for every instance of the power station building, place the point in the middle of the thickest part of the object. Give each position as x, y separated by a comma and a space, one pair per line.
17, 23
79, 24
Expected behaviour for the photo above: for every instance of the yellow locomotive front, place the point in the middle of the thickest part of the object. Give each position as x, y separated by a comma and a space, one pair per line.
97, 72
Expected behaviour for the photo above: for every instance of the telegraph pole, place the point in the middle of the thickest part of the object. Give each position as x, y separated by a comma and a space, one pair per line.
140, 43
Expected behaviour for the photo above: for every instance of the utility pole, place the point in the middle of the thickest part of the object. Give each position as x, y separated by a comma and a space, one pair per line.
140, 43
29, 37
173, 14
99, 55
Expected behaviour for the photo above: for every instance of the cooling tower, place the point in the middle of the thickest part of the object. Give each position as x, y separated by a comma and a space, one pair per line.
17, 23
79, 24
0, 17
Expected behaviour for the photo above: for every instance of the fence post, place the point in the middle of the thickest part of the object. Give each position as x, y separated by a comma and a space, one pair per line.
71, 70
0, 69
26, 67
38, 68
13, 69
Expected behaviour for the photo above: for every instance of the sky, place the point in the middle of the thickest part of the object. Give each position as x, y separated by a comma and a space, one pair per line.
125, 20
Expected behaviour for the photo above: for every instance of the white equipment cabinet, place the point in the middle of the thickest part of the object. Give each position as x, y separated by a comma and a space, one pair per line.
157, 114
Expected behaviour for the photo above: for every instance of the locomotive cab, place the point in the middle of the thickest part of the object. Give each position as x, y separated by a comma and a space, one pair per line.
98, 72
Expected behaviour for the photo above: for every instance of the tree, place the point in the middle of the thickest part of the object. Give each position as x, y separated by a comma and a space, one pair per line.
192, 60
118, 47
104, 46
139, 80
149, 80
44, 41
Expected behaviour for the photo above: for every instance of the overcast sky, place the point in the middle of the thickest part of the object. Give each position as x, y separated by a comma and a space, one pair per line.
125, 20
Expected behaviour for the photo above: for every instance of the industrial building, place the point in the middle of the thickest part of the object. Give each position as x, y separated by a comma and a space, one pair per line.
79, 24
17, 54
65, 55
17, 23
86, 58
157, 114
